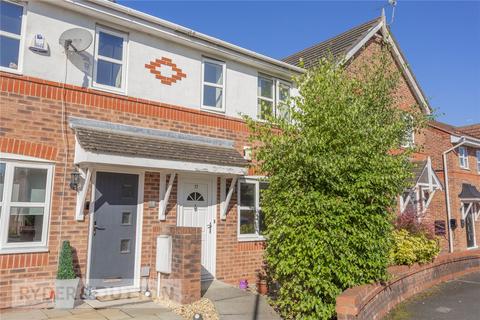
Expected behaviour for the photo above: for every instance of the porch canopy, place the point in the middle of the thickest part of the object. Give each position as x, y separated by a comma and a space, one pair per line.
470, 200
101, 144
425, 183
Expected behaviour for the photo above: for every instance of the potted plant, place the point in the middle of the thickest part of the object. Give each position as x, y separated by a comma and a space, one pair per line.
262, 285
66, 284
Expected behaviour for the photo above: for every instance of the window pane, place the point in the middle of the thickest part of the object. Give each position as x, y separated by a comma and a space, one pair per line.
262, 186
29, 185
284, 92
110, 46
9, 52
247, 221
212, 96
265, 108
109, 73
10, 18
213, 73
25, 224
247, 194
265, 87
2, 179
261, 222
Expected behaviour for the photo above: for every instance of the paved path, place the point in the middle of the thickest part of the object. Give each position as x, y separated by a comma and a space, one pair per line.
138, 311
235, 304
453, 300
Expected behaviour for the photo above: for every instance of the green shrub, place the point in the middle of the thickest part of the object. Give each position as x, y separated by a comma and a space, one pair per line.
410, 248
65, 264
332, 180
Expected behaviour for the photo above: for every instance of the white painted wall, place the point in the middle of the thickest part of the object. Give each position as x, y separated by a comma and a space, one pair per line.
51, 20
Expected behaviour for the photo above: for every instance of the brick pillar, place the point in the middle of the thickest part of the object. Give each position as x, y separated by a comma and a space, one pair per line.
183, 284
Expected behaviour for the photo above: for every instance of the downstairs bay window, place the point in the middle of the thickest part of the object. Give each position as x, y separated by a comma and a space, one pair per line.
250, 217
25, 193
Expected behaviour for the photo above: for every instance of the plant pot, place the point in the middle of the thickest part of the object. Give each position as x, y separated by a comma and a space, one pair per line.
66, 293
262, 287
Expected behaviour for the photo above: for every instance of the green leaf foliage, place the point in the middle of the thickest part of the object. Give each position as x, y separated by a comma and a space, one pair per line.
409, 248
65, 264
332, 179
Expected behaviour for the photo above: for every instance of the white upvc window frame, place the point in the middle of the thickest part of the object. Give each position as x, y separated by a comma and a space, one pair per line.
21, 37
275, 100
478, 161
24, 247
257, 208
463, 157
267, 99
123, 62
210, 84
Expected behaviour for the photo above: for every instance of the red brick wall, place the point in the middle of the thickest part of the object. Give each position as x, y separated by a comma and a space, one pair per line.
436, 142
432, 142
371, 302
183, 283
30, 124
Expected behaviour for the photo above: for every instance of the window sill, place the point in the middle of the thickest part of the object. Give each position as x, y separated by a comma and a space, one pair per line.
23, 250
250, 238
108, 89
9, 70
472, 248
465, 168
212, 109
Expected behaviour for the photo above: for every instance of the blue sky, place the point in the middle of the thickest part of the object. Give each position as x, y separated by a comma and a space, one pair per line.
441, 39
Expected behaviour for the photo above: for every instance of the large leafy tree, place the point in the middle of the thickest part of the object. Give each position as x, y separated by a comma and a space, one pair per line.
334, 171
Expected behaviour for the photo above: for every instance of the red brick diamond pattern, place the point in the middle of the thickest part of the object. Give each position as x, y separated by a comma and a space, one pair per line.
154, 67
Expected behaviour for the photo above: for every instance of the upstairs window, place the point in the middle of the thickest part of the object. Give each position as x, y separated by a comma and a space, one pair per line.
250, 217
266, 99
110, 59
273, 95
213, 85
463, 157
11, 26
478, 161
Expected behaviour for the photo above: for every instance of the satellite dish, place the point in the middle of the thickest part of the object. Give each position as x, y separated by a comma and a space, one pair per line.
76, 39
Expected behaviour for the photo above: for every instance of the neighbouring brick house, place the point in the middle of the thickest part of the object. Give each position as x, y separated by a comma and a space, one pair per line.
137, 136
428, 195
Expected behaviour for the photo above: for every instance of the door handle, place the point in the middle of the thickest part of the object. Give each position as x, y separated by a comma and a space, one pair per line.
95, 228
209, 226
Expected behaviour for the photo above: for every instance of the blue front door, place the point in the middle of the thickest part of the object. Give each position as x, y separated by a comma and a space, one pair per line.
112, 257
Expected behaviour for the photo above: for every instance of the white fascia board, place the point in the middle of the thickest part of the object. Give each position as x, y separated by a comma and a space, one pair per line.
408, 73
362, 42
131, 18
381, 26
83, 157
468, 141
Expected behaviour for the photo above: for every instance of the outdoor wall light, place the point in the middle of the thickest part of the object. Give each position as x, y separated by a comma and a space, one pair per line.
75, 179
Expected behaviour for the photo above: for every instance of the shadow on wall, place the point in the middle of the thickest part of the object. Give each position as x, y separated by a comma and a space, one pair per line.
83, 61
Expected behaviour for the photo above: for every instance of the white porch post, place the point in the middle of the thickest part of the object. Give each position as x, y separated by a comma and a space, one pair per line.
86, 174
164, 194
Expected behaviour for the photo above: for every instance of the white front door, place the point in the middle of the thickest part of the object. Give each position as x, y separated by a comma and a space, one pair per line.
197, 210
